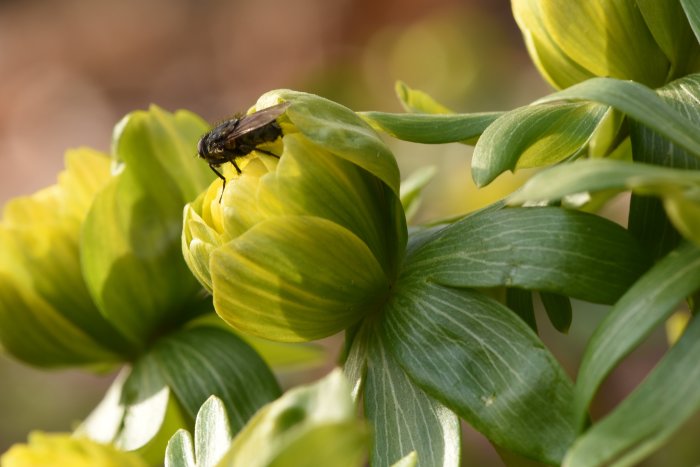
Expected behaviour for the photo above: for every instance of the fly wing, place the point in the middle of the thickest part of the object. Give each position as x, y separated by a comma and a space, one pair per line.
257, 120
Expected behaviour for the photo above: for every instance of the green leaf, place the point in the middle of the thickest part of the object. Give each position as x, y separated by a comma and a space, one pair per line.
138, 413
212, 432
558, 310
550, 249
647, 218
651, 414
340, 131
648, 303
404, 418
677, 188
105, 420
534, 136
414, 100
482, 361
212, 438
309, 426
638, 102
278, 282
412, 188
203, 361
692, 11
180, 451
355, 363
596, 175
280, 356
167, 386
520, 301
131, 248
432, 129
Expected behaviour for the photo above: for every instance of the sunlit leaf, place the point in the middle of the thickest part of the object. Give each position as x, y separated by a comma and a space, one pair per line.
534, 136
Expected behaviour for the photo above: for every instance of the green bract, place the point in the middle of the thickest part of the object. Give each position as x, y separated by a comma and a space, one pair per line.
303, 246
647, 41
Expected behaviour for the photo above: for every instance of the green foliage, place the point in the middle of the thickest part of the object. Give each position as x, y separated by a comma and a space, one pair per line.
127, 266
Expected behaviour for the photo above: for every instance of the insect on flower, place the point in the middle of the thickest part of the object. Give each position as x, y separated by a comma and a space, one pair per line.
240, 136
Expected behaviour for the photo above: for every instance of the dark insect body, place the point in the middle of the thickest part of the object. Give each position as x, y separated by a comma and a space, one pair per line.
240, 136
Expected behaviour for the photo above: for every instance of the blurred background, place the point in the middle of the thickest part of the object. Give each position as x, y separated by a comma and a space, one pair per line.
70, 70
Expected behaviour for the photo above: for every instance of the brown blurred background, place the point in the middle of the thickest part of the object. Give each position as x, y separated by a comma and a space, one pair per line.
70, 70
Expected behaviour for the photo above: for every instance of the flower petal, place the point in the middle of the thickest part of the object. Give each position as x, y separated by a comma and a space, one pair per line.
296, 278
339, 130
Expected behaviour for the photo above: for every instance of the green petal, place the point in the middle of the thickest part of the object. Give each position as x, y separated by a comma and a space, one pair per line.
132, 260
44, 294
295, 278
131, 247
65, 449
160, 148
340, 131
560, 70
669, 26
309, 181
35, 332
198, 242
608, 38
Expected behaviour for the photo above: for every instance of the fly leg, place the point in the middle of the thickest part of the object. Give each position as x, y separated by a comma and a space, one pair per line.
218, 174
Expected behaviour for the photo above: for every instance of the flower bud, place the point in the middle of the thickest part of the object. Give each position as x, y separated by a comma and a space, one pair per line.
642, 40
305, 244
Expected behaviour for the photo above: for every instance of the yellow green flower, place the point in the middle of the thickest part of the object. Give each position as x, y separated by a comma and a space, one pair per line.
90, 268
59, 450
304, 245
646, 41
47, 316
